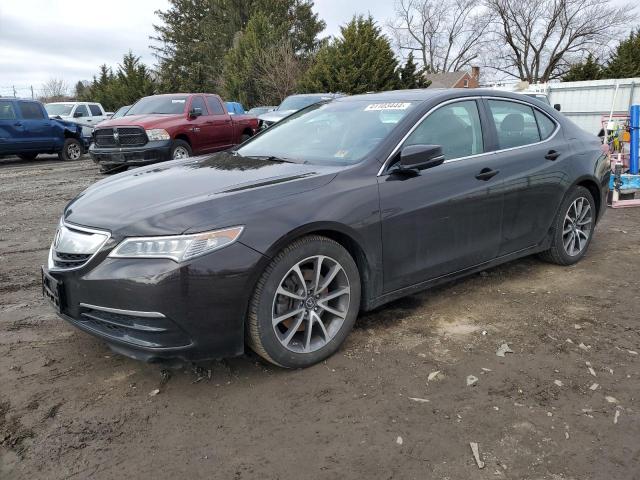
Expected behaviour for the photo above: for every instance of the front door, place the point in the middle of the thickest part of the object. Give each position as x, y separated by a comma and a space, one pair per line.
448, 217
37, 126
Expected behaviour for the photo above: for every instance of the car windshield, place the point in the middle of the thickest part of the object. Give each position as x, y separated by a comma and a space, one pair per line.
62, 109
121, 112
297, 102
161, 105
334, 133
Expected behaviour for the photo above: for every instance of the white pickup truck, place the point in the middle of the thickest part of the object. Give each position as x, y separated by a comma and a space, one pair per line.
87, 114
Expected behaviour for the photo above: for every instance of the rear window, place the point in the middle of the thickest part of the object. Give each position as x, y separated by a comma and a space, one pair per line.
31, 111
6, 110
215, 106
515, 123
95, 110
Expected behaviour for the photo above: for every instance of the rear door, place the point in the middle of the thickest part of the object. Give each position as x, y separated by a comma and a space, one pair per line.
12, 132
221, 122
38, 134
531, 149
448, 217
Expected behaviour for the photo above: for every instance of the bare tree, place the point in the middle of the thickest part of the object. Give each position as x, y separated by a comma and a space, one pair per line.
279, 71
446, 35
539, 39
54, 90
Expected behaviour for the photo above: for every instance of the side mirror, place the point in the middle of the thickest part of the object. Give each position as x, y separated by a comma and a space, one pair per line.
77, 114
557, 106
420, 157
195, 112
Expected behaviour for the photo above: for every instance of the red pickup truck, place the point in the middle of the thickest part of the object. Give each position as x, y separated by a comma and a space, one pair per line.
165, 127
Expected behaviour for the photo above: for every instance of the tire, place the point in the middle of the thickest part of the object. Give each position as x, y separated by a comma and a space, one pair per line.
244, 137
577, 234
28, 156
287, 343
180, 149
71, 150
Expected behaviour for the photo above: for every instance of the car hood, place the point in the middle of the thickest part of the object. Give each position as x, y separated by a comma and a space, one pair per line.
276, 115
195, 194
145, 121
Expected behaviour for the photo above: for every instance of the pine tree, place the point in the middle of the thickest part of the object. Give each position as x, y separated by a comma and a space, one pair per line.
410, 76
132, 81
625, 61
590, 69
360, 60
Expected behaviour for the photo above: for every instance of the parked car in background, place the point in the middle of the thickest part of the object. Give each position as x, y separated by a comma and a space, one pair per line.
235, 108
292, 104
165, 127
346, 205
84, 113
26, 131
260, 110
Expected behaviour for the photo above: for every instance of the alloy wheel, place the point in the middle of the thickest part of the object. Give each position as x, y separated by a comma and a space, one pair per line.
577, 226
73, 151
180, 152
310, 304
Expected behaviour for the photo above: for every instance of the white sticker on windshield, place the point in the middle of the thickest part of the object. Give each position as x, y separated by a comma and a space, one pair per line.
374, 107
178, 101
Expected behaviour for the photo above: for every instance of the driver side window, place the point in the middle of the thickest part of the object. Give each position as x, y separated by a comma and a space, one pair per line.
455, 127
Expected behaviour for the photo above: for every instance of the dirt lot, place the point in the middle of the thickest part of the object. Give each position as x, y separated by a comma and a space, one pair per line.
564, 405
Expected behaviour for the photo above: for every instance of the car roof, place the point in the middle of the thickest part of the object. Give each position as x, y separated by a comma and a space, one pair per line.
423, 94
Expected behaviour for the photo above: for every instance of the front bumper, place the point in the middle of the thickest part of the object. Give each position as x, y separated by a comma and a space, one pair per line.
152, 152
157, 309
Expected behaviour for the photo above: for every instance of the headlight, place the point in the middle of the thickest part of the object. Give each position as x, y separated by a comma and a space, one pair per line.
158, 134
176, 247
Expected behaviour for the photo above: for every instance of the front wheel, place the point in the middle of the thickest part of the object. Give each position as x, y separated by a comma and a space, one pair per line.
180, 149
71, 150
305, 303
572, 228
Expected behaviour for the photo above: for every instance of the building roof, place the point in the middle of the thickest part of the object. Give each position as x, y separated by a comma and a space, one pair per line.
444, 79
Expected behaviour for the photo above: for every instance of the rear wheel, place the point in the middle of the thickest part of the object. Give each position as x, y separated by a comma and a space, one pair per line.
305, 303
28, 156
180, 149
573, 228
71, 150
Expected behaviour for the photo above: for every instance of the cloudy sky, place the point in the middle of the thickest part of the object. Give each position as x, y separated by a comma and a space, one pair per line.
41, 39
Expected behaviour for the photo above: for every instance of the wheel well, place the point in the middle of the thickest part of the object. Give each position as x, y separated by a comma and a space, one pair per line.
183, 137
595, 192
247, 131
69, 134
357, 253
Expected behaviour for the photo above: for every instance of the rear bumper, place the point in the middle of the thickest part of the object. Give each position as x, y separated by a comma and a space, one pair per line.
152, 152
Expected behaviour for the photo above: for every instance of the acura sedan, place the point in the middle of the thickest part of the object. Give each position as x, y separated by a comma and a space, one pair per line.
346, 205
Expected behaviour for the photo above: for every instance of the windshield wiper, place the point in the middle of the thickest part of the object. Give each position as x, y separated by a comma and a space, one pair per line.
273, 158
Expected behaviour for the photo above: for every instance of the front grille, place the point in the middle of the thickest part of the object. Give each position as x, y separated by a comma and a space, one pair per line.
120, 137
69, 260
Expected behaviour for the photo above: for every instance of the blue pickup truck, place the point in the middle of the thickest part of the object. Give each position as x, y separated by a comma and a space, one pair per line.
26, 130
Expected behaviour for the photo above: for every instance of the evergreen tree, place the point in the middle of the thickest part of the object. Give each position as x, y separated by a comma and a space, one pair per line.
241, 63
132, 81
410, 76
195, 36
590, 69
360, 60
625, 61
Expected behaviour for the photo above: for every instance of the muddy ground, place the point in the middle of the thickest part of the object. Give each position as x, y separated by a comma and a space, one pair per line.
69, 408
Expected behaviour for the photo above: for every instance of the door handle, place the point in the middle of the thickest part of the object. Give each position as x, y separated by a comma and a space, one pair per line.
486, 174
552, 155
17, 124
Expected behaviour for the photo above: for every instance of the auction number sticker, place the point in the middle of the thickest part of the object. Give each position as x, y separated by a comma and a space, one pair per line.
178, 100
376, 107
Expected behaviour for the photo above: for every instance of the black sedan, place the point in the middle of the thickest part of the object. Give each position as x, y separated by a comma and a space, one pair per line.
339, 208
